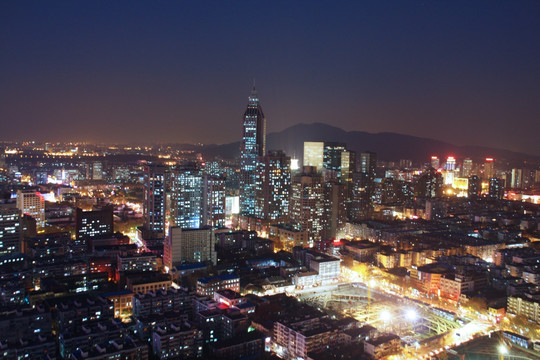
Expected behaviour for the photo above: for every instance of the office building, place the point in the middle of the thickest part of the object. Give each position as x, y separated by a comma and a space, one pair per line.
516, 181
189, 246
209, 285
154, 199
253, 147
430, 184
467, 168
314, 154
213, 212
273, 186
474, 187
307, 203
496, 188
435, 162
96, 224
489, 169
32, 203
10, 230
451, 163
186, 196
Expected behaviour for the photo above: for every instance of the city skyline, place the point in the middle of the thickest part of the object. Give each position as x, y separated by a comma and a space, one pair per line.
461, 74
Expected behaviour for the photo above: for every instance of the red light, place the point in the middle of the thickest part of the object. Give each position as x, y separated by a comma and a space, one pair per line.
489, 159
433, 157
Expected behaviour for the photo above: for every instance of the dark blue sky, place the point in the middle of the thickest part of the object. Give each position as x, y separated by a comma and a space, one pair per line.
158, 71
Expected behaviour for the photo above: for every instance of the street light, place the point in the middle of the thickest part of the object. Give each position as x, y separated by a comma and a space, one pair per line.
411, 315
503, 350
385, 315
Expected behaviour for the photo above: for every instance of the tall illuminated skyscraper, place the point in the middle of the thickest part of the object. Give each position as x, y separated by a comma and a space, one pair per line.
186, 196
489, 169
253, 146
307, 202
154, 199
467, 169
314, 154
273, 186
435, 162
213, 201
451, 163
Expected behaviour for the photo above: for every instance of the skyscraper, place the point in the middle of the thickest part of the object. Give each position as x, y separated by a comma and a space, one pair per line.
489, 169
332, 157
314, 154
467, 169
154, 199
214, 201
451, 163
307, 203
273, 186
186, 196
253, 146
435, 162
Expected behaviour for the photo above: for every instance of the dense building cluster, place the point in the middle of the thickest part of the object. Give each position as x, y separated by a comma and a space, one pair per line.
162, 252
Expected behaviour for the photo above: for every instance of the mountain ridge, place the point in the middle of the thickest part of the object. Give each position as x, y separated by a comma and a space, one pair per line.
389, 146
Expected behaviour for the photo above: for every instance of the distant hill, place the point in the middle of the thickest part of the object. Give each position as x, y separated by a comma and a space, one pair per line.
388, 146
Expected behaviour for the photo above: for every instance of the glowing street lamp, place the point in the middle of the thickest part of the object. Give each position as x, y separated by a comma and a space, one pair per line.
411, 315
385, 315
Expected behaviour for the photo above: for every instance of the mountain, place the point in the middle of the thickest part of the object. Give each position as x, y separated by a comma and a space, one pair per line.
388, 146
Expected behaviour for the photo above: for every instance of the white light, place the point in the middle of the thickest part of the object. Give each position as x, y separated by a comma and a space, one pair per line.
385, 315
502, 349
411, 315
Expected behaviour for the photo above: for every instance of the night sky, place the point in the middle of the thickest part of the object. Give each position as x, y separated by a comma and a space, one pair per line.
157, 71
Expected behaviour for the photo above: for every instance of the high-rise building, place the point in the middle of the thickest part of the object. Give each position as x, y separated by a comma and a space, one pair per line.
368, 168
32, 203
335, 198
516, 181
97, 170
467, 168
307, 202
435, 162
496, 188
186, 196
489, 169
474, 187
253, 146
94, 224
451, 163
10, 229
273, 186
154, 199
314, 154
214, 201
332, 157
430, 184
183, 246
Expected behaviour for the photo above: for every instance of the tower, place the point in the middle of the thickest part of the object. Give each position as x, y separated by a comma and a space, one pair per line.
253, 146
